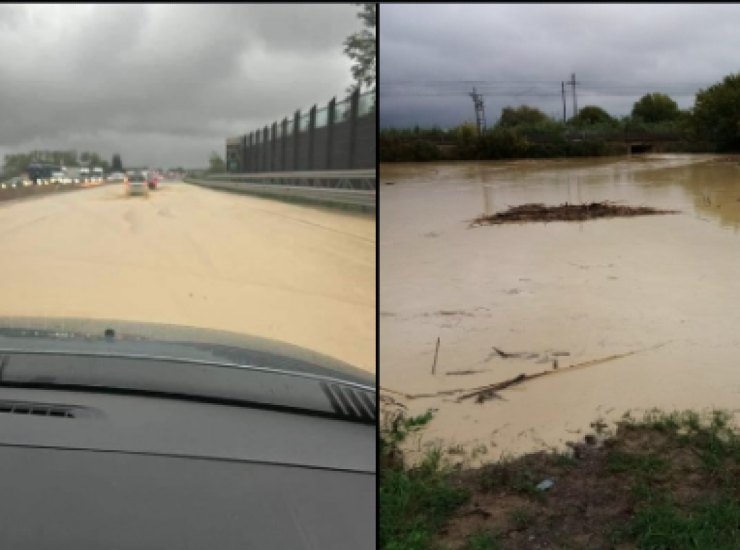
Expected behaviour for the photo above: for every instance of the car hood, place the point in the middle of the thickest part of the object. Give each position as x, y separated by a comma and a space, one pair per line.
172, 341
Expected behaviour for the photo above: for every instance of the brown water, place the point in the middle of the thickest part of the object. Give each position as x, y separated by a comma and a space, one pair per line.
662, 289
185, 255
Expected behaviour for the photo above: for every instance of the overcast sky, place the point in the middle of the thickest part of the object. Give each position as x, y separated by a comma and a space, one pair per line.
163, 84
519, 54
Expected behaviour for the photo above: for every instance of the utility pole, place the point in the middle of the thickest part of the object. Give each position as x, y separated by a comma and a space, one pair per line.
480, 113
573, 84
562, 91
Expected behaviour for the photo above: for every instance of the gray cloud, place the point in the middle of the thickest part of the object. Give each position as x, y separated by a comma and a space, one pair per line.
163, 83
519, 54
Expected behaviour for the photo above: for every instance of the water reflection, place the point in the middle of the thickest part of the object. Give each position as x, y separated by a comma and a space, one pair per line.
701, 186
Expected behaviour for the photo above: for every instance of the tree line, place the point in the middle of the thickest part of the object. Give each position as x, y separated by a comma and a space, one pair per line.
711, 125
17, 163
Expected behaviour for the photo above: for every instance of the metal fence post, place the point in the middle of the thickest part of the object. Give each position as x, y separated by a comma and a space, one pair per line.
256, 152
283, 145
274, 152
245, 153
331, 116
311, 136
355, 100
296, 136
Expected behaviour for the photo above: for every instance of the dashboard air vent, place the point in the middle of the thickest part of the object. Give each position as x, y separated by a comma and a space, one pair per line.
349, 402
37, 409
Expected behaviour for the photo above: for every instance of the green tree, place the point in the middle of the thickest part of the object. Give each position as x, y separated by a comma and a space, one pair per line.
69, 158
591, 115
502, 143
716, 115
521, 116
360, 48
116, 164
216, 164
655, 107
465, 137
15, 164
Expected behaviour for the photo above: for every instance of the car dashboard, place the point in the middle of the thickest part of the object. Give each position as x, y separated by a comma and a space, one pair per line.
87, 466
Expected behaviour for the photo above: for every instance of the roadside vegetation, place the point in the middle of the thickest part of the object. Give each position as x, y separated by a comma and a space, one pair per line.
526, 132
662, 481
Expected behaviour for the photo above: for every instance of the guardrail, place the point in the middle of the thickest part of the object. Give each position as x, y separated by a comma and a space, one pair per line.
344, 188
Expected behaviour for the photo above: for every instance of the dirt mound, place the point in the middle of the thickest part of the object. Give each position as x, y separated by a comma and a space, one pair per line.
536, 212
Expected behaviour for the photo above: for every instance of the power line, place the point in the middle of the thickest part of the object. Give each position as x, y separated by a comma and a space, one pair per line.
533, 89
497, 82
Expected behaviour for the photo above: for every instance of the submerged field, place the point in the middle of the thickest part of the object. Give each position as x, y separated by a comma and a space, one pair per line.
622, 313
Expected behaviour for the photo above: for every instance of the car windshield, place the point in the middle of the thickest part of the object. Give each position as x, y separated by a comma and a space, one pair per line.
141, 145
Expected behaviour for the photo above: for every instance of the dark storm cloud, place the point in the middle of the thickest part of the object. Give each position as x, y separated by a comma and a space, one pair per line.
164, 83
523, 52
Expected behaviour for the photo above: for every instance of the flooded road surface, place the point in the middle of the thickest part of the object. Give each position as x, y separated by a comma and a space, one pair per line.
198, 257
648, 304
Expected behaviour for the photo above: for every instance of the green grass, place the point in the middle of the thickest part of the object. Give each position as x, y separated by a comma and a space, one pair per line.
414, 502
519, 476
678, 476
520, 518
522, 480
483, 540
712, 524
660, 522
564, 459
649, 465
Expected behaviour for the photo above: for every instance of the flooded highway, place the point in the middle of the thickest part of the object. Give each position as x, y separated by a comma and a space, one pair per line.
644, 307
192, 256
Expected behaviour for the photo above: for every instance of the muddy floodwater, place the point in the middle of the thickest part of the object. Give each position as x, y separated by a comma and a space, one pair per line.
191, 256
648, 307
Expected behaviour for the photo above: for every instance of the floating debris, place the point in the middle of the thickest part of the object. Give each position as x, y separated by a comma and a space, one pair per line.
537, 212
545, 484
486, 395
518, 355
467, 393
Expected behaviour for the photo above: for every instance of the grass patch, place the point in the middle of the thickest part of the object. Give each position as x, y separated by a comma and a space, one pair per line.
713, 523
483, 540
414, 502
512, 476
649, 465
662, 481
520, 518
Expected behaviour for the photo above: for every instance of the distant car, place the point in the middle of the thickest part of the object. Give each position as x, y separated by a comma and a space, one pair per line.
117, 177
13, 183
136, 184
152, 180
